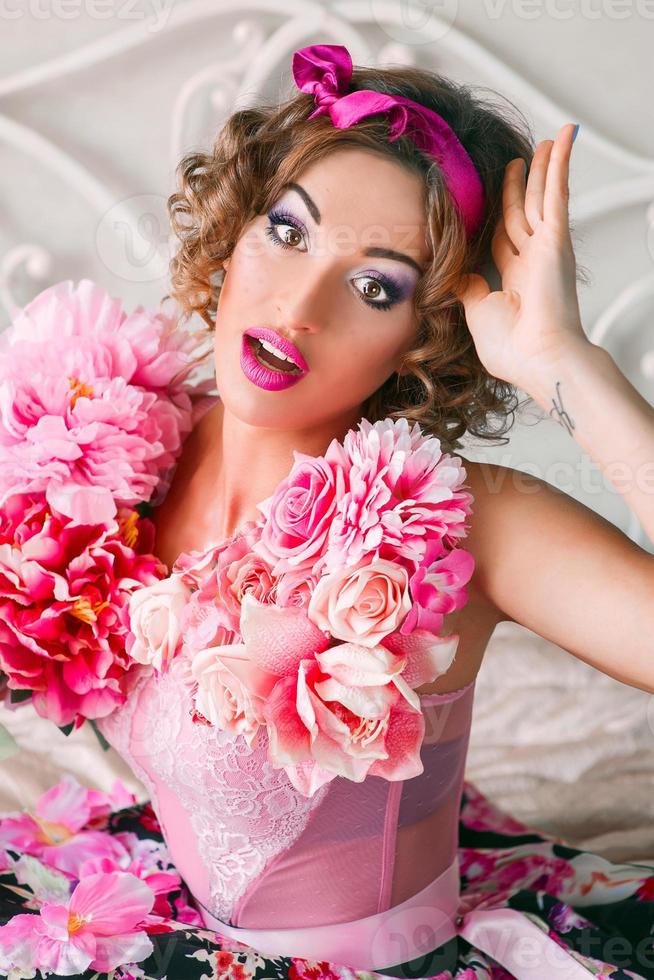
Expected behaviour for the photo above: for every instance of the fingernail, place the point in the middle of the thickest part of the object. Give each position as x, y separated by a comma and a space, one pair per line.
574, 135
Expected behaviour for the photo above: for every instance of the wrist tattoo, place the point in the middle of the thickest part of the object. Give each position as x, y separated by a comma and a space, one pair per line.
559, 413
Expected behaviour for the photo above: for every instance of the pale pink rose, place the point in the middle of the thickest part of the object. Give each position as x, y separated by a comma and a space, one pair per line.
231, 690
347, 712
219, 580
294, 588
400, 491
234, 679
361, 605
299, 514
92, 413
237, 571
438, 587
154, 617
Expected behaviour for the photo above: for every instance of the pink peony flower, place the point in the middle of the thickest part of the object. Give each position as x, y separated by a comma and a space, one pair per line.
438, 587
363, 604
64, 589
154, 619
92, 412
59, 832
99, 927
400, 491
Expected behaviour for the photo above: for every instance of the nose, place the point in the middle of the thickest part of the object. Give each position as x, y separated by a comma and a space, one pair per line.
303, 304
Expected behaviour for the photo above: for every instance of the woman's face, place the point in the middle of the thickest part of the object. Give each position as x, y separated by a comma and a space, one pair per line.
302, 270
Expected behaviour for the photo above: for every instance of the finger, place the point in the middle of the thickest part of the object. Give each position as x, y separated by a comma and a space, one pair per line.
472, 290
502, 248
535, 190
513, 203
555, 200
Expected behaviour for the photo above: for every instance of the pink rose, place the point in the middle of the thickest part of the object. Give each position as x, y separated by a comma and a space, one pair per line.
294, 588
221, 582
155, 614
300, 512
240, 571
231, 690
362, 605
347, 712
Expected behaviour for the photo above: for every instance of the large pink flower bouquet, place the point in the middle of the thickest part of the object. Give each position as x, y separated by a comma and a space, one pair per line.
320, 620
93, 416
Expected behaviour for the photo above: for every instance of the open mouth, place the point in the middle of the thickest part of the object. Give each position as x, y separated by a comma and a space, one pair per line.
269, 360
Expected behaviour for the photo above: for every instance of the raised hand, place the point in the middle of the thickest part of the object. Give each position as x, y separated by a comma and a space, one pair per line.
524, 329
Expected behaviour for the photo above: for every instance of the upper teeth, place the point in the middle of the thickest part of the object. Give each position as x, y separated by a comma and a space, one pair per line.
273, 350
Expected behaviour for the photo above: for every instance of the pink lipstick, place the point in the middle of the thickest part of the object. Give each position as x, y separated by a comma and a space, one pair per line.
263, 367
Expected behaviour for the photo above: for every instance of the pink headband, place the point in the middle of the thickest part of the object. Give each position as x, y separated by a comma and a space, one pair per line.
326, 71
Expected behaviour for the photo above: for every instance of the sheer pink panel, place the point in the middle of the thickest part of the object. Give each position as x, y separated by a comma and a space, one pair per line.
428, 820
371, 845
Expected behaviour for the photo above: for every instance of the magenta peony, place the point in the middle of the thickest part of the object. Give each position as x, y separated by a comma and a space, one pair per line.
64, 589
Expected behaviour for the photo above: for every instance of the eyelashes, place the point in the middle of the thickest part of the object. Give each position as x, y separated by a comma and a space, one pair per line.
392, 291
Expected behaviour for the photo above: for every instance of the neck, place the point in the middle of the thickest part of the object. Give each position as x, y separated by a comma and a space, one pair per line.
237, 465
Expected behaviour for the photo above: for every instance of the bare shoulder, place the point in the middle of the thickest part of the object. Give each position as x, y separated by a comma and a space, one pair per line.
554, 565
514, 514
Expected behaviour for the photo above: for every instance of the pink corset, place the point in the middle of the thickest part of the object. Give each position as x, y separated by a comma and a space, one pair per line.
363, 874
241, 835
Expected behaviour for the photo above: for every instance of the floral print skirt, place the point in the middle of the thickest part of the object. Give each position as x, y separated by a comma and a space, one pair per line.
599, 913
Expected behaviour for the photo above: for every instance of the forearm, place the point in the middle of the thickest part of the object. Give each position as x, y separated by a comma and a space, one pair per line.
589, 396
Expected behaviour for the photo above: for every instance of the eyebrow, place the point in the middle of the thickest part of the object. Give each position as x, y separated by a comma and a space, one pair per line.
374, 250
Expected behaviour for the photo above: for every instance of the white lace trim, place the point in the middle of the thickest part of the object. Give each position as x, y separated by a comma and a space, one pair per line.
243, 811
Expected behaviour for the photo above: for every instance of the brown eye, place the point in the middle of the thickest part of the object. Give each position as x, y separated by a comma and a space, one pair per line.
371, 289
282, 231
291, 236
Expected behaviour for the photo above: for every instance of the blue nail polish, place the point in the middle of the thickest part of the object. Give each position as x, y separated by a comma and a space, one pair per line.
574, 135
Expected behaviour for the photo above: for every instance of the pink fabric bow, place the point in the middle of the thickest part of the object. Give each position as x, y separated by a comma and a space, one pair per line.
325, 70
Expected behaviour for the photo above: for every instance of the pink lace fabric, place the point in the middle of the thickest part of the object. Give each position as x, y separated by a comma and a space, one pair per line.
241, 835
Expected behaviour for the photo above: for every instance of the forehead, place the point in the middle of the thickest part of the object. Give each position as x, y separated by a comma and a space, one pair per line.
377, 199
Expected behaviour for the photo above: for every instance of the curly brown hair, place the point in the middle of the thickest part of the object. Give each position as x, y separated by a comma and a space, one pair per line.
442, 384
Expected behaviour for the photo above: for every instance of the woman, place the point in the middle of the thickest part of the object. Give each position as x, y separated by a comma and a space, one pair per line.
342, 227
